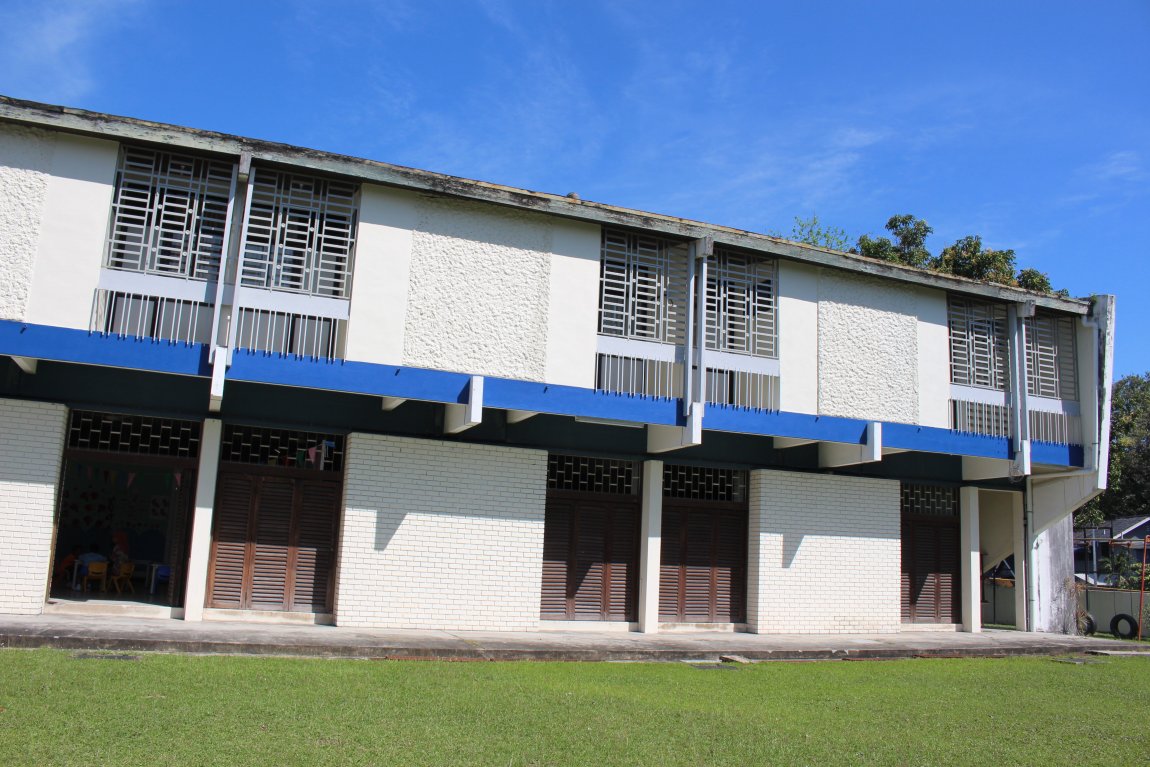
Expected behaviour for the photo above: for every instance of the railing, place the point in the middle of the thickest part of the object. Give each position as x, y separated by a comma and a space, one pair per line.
301, 335
138, 315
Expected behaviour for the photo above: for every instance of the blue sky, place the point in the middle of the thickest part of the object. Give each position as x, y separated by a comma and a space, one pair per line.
1025, 122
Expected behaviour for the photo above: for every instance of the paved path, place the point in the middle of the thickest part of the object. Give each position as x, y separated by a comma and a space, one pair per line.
161, 635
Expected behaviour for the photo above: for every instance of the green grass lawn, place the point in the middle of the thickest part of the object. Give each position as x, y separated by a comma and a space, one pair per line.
56, 708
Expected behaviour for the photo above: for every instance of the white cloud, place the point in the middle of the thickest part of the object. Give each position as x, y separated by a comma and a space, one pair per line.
47, 49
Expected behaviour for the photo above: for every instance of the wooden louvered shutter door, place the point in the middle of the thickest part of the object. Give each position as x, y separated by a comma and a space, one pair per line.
947, 574
730, 600
925, 581
698, 560
315, 546
556, 558
906, 582
589, 566
670, 564
230, 541
622, 564
271, 543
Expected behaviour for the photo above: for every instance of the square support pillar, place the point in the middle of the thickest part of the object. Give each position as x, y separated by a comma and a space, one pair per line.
970, 579
651, 542
1018, 526
206, 473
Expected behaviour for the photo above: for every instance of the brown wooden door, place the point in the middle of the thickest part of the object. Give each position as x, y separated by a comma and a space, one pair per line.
590, 558
273, 543
703, 567
930, 569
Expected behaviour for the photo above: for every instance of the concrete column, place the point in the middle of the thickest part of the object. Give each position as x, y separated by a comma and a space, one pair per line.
202, 521
651, 537
1018, 526
971, 569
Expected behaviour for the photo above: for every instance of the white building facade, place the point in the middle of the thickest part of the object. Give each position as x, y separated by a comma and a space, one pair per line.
301, 386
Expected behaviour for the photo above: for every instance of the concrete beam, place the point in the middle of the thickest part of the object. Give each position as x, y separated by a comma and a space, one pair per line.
391, 403
461, 417
975, 469
832, 454
519, 416
662, 439
26, 364
783, 443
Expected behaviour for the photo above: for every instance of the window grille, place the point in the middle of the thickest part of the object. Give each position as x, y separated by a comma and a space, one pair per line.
1051, 369
643, 288
137, 434
591, 475
980, 418
300, 234
704, 484
135, 315
636, 375
742, 388
929, 500
978, 343
1059, 428
284, 333
282, 447
741, 296
169, 213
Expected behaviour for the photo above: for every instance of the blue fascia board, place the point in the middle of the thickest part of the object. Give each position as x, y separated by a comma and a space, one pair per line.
777, 423
508, 394
932, 439
349, 377
47, 342
1057, 455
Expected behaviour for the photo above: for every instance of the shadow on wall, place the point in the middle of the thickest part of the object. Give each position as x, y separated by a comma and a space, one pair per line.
828, 524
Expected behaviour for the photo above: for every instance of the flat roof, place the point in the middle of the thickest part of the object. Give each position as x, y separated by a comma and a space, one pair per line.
84, 122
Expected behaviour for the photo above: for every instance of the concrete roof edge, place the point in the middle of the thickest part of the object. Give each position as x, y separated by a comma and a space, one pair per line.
84, 122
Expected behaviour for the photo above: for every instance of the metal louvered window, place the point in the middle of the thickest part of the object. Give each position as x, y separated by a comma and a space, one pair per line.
300, 234
169, 214
134, 315
978, 343
741, 302
1051, 369
643, 288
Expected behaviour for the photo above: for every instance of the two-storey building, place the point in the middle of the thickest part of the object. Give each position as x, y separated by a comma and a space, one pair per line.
295, 385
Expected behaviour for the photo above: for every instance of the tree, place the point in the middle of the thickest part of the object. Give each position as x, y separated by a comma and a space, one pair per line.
1032, 279
1128, 481
908, 246
967, 258
1121, 569
811, 231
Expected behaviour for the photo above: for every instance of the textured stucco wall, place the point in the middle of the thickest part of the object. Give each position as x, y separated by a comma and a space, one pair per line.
824, 554
25, 161
479, 291
29, 473
441, 535
868, 348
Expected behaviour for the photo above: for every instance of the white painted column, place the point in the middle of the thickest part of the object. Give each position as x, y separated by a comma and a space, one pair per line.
651, 532
970, 580
202, 521
1021, 583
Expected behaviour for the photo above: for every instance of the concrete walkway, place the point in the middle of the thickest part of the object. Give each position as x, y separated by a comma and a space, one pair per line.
157, 635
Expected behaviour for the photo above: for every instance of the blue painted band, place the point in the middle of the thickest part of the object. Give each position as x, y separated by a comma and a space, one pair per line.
45, 342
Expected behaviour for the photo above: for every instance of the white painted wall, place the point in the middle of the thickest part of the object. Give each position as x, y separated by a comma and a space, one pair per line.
387, 221
573, 306
933, 358
1055, 598
76, 212
29, 476
479, 290
823, 554
995, 526
440, 535
868, 348
25, 165
798, 338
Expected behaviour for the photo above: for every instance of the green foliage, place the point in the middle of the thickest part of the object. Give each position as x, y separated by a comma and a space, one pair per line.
1128, 483
967, 258
1032, 279
811, 231
1123, 570
908, 246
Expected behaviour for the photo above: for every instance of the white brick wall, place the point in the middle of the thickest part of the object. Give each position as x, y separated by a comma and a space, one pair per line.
824, 554
440, 535
33, 437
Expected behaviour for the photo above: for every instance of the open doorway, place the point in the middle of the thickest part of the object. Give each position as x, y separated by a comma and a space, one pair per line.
122, 524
